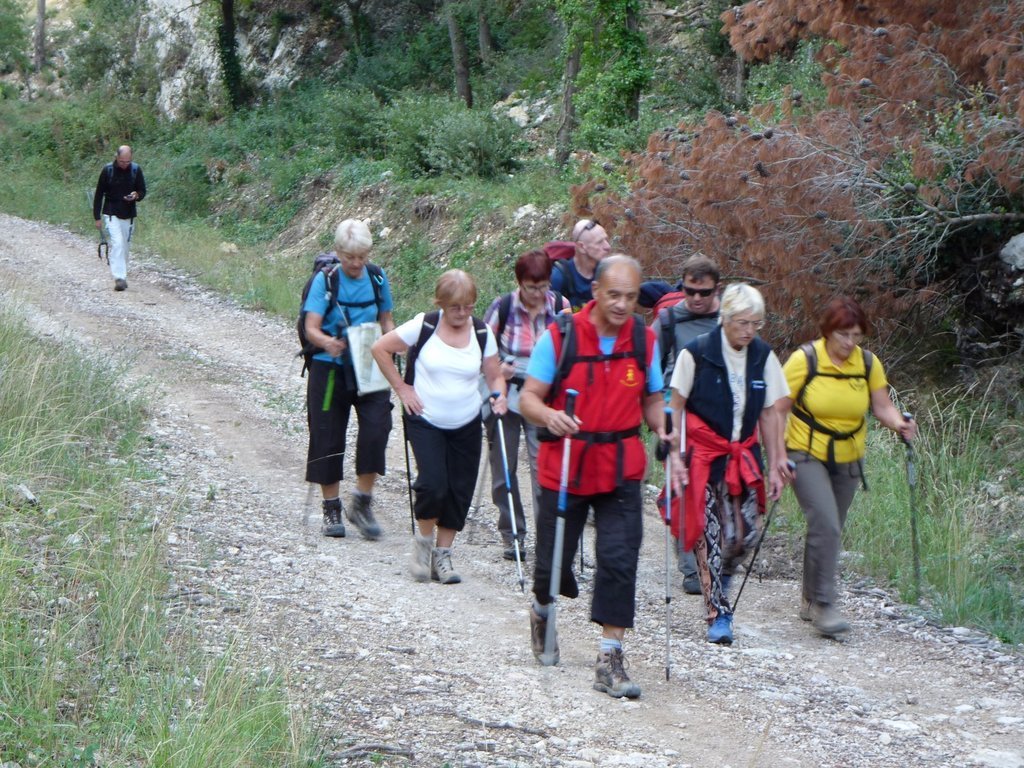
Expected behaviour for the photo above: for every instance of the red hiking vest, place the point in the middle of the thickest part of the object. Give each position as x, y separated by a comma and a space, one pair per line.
612, 388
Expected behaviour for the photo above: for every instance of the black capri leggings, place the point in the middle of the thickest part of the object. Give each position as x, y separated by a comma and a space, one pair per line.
447, 462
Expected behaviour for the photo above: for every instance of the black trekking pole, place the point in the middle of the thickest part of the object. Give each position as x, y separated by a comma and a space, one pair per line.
511, 503
548, 658
664, 452
911, 485
408, 466
760, 541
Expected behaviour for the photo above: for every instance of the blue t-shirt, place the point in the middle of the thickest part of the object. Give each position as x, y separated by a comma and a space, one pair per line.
578, 292
542, 365
350, 290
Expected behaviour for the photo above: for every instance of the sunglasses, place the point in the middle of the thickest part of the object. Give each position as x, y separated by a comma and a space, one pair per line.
702, 292
588, 226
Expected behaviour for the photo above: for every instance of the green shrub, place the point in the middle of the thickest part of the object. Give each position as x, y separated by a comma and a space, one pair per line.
432, 135
801, 72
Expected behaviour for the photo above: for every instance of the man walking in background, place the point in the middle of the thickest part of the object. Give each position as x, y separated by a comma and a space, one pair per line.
677, 326
120, 186
573, 277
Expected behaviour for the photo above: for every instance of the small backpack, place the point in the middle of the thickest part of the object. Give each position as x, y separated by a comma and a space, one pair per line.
430, 321
567, 357
328, 264
110, 172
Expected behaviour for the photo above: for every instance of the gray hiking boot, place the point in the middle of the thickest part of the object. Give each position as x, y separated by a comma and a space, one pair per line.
333, 525
419, 563
361, 516
828, 621
610, 676
538, 633
442, 569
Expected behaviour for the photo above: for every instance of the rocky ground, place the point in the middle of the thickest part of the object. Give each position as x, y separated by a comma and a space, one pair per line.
395, 672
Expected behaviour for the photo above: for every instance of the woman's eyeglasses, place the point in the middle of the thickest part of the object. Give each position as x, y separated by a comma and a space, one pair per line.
744, 324
535, 287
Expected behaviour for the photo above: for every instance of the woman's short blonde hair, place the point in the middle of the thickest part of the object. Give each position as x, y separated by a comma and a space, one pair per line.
739, 298
352, 236
454, 287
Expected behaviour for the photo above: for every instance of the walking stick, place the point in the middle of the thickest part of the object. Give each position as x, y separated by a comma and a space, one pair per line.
408, 471
664, 452
511, 503
911, 485
548, 657
760, 541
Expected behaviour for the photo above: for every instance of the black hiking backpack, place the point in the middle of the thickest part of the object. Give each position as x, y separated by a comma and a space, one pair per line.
567, 357
328, 264
430, 321
110, 172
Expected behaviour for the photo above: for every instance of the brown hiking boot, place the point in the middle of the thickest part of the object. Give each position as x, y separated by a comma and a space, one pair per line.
610, 676
538, 632
828, 621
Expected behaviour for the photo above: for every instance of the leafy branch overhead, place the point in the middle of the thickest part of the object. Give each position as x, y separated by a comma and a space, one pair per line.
915, 153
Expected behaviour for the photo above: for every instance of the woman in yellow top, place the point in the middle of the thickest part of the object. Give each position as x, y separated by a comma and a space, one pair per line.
833, 383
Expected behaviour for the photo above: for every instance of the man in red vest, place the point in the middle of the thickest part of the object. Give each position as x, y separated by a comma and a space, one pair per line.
611, 359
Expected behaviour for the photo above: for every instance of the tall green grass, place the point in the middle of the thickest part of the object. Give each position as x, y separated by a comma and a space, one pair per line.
971, 547
92, 669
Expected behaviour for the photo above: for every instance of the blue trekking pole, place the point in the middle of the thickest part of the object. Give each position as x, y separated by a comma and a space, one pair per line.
549, 657
508, 490
664, 452
911, 485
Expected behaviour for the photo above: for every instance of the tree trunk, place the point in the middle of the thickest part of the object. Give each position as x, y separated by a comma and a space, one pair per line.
484, 39
231, 68
460, 56
39, 57
633, 96
563, 138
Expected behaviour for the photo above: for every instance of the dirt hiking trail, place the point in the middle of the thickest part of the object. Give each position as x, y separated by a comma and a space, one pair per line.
395, 672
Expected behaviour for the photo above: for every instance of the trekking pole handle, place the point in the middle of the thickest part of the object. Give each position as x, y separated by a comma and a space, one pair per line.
570, 402
665, 446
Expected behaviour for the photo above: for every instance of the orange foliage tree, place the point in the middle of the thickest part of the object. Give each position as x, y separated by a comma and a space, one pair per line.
914, 163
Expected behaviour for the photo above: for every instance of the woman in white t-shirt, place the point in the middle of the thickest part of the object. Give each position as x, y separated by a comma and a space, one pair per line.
728, 381
448, 348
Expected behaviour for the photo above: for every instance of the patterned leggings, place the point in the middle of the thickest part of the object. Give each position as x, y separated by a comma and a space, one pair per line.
730, 531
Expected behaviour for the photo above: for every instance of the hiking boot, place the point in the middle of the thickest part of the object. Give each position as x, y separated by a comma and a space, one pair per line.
828, 621
419, 563
720, 631
120, 284
333, 525
691, 585
360, 515
805, 609
442, 569
509, 552
538, 632
610, 676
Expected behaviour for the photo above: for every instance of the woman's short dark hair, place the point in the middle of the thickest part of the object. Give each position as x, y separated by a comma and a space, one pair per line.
534, 266
843, 312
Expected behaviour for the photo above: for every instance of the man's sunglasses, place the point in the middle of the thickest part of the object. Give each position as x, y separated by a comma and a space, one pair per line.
702, 292
587, 227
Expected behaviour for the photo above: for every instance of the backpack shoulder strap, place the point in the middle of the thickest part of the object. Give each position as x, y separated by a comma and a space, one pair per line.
565, 327
430, 320
504, 309
376, 275
868, 360
480, 327
640, 342
812, 369
667, 324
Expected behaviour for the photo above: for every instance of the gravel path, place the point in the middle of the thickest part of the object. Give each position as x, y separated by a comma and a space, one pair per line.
424, 674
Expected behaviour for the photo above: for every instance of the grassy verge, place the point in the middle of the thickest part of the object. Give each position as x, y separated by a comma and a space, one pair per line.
969, 475
93, 669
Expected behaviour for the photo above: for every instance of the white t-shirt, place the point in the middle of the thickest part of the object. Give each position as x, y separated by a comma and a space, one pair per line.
448, 378
736, 366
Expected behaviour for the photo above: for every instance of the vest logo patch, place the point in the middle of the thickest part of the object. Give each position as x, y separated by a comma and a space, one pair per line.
631, 380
